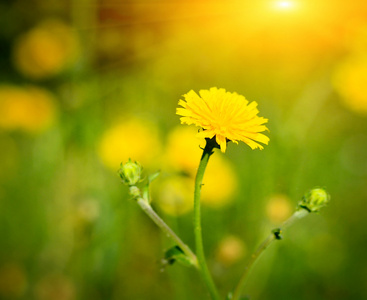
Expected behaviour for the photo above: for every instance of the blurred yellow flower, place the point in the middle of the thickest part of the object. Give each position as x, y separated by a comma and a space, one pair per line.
174, 195
135, 139
220, 183
227, 116
183, 149
278, 208
230, 250
183, 155
356, 38
349, 80
45, 50
29, 108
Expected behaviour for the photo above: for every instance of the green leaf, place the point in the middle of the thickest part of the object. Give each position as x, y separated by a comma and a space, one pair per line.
146, 193
153, 176
176, 254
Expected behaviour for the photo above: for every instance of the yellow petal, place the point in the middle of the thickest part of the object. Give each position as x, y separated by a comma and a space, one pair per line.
222, 142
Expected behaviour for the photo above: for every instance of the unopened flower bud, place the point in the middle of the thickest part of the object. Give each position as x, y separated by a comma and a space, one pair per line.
130, 172
314, 200
134, 191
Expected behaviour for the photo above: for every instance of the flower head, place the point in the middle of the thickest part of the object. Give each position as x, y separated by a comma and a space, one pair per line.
130, 172
227, 116
314, 200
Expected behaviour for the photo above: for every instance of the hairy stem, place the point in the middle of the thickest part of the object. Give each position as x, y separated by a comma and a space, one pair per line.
208, 151
275, 235
253, 259
145, 206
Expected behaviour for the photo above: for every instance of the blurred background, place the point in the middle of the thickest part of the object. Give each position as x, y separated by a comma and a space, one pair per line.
86, 84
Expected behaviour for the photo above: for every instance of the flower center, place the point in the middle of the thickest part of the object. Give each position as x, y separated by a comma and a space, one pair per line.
222, 130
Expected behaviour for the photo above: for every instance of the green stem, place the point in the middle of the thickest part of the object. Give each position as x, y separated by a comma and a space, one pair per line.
275, 235
145, 206
208, 151
299, 214
253, 259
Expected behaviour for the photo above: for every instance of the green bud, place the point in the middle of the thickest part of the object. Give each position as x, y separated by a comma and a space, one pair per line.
134, 191
314, 200
130, 172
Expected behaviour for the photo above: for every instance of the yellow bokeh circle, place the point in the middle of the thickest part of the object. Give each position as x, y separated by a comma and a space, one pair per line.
29, 108
134, 138
46, 50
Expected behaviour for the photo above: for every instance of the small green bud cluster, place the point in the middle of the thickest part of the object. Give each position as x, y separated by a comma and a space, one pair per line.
314, 200
130, 173
134, 191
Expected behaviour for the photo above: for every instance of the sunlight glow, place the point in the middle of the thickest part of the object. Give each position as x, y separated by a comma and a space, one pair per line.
284, 4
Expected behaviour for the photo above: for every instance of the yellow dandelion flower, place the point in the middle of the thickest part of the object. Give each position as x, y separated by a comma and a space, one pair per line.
227, 116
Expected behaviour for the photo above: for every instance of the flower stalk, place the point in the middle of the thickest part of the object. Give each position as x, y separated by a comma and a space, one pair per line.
311, 202
207, 152
146, 207
130, 174
265, 244
273, 236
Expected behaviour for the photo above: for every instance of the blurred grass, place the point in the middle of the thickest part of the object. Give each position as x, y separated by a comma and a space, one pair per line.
68, 228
